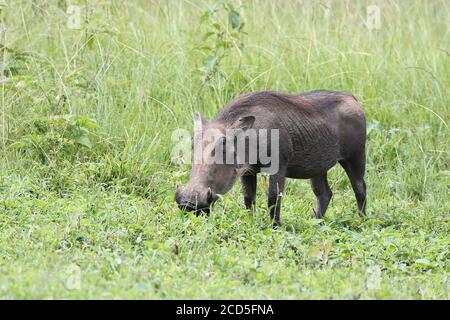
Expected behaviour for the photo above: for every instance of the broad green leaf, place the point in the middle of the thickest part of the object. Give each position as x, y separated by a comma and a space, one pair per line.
207, 35
204, 17
422, 261
234, 19
327, 247
84, 141
210, 62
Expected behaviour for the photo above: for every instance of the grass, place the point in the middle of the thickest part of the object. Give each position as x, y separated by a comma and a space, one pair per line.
87, 186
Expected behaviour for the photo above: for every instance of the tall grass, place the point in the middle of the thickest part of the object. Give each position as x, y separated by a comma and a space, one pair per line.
94, 108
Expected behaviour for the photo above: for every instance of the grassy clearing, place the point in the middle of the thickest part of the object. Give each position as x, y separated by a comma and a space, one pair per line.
87, 186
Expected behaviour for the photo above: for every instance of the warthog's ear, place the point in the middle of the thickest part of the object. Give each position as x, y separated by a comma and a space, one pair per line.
199, 122
245, 123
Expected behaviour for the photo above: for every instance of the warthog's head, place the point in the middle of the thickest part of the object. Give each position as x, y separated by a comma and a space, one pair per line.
214, 169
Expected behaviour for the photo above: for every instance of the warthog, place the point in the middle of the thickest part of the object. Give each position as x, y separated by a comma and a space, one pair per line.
314, 129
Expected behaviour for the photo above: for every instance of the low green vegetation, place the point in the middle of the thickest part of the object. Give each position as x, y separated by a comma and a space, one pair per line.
88, 107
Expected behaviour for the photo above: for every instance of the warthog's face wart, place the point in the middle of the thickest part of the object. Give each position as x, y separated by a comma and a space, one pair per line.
214, 170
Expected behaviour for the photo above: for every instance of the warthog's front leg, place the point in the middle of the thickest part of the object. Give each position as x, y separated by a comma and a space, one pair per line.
276, 190
249, 190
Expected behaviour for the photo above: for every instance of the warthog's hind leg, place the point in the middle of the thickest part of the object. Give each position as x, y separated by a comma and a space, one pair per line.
355, 168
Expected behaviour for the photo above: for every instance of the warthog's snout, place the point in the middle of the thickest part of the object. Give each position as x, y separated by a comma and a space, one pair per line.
197, 201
